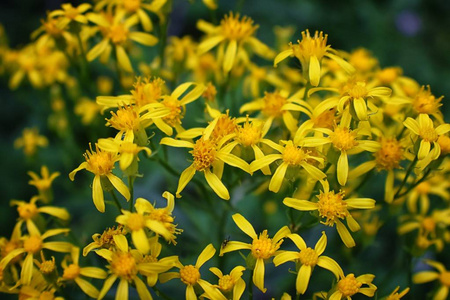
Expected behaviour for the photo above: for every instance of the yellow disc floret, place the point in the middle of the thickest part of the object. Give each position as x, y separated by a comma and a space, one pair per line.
425, 102
273, 102
429, 224
126, 118
135, 221
189, 275
147, 91
349, 285
343, 138
428, 134
27, 211
235, 29
118, 33
124, 265
308, 257
389, 155
293, 155
176, 114
33, 244
332, 206
310, 46
444, 277
72, 271
226, 283
263, 247
249, 134
99, 162
358, 90
204, 154
47, 266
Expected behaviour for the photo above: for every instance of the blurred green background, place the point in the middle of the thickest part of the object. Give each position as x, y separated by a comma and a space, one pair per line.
412, 34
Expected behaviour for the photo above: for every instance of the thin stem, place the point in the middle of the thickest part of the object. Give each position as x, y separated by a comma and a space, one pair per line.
131, 187
116, 201
250, 285
415, 183
362, 182
408, 172
163, 33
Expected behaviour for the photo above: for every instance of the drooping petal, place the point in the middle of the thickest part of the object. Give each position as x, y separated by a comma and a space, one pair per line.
123, 59
87, 287
119, 185
230, 55
185, 177
97, 194
345, 235
342, 168
122, 290
331, 265
244, 225
321, 244
143, 38
206, 255
282, 56
216, 184
277, 178
258, 275
314, 71
303, 277
302, 205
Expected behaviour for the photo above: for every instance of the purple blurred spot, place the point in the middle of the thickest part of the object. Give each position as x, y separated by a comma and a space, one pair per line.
408, 23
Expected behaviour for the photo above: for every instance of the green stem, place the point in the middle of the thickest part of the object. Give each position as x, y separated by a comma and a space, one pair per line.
408, 172
163, 33
415, 183
116, 201
131, 187
119, 72
250, 285
362, 182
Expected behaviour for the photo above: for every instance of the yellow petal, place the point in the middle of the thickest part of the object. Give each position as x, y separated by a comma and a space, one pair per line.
277, 178
302, 205
190, 293
143, 38
352, 224
342, 168
209, 43
97, 50
185, 177
122, 290
123, 59
93, 272
284, 257
27, 269
424, 149
58, 212
234, 246
244, 225
313, 171
360, 108
412, 125
321, 244
142, 290
314, 71
121, 242
107, 286
230, 55
303, 277
140, 240
234, 161
97, 194
163, 126
193, 95
258, 275
206, 255
331, 265
282, 56
217, 185
119, 185
345, 235
210, 290
86, 287
264, 161
82, 166
425, 276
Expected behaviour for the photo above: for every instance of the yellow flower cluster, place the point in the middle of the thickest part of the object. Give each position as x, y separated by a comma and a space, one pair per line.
311, 139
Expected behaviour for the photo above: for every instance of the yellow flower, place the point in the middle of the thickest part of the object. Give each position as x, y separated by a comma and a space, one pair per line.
32, 245
308, 258
349, 286
101, 163
292, 156
190, 276
423, 127
87, 110
344, 140
234, 34
68, 13
74, 272
262, 248
117, 32
397, 296
442, 275
310, 51
334, 208
436, 185
28, 211
30, 141
53, 33
426, 103
104, 240
159, 220
126, 265
43, 184
260, 75
231, 284
175, 105
207, 154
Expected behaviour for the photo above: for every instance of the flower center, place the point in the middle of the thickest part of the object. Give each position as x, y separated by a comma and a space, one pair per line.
71, 12
132, 5
189, 275
429, 224
331, 206
389, 75
33, 244
147, 91
389, 155
249, 134
343, 138
27, 211
224, 126
310, 46
444, 143
71, 272
210, 92
293, 155
358, 90
325, 119
308, 257
425, 102
226, 283
235, 29
107, 237
124, 265
349, 285
428, 134
47, 266
204, 154
99, 162
118, 33
273, 102
175, 115
52, 29
136, 222
263, 246
445, 278
126, 118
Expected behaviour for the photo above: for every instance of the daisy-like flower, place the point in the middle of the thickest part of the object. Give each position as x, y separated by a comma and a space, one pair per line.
292, 156
190, 276
436, 185
128, 152
442, 274
159, 220
117, 32
175, 103
334, 208
234, 34
277, 105
32, 245
145, 91
206, 154
310, 51
262, 248
126, 265
28, 211
30, 141
43, 183
395, 295
104, 240
73, 272
350, 285
308, 258
423, 127
69, 14
51, 32
101, 163
231, 284
343, 140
